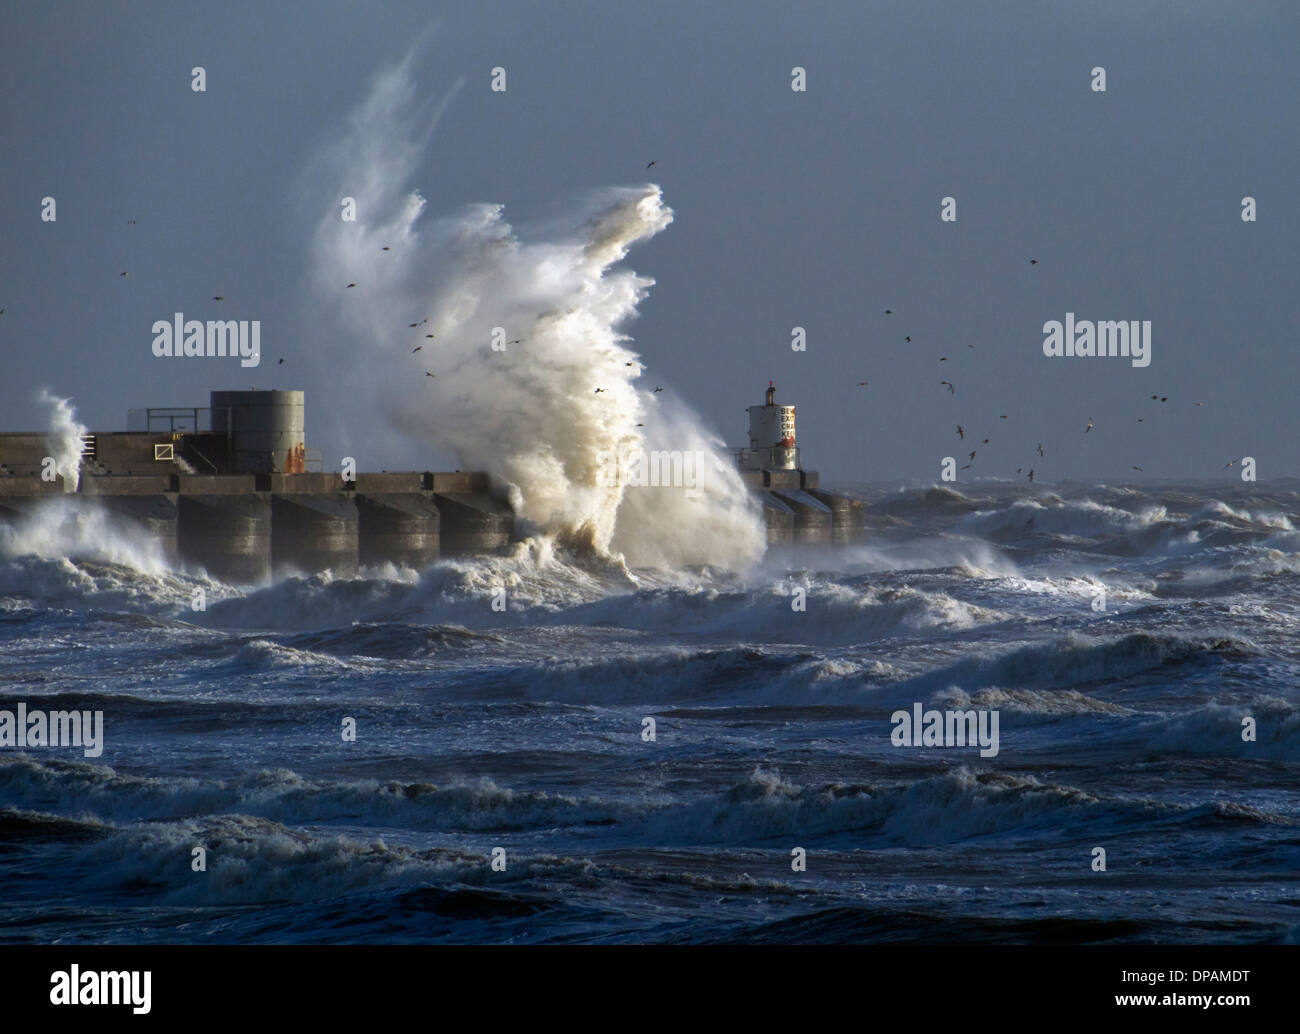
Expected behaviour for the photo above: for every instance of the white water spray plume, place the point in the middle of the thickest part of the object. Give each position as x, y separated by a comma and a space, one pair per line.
528, 412
64, 439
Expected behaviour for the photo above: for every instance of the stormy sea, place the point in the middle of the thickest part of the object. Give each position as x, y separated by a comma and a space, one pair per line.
501, 782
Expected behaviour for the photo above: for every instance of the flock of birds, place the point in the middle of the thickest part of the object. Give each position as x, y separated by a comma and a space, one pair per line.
952, 389
961, 431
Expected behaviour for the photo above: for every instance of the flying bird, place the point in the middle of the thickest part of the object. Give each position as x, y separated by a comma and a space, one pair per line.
651, 163
416, 349
1137, 468
131, 222
960, 433
909, 337
889, 312
1031, 473
1002, 417
951, 389
599, 390
122, 274
986, 441
430, 335
385, 248
943, 358
516, 341
1040, 448
1033, 262
965, 466
280, 363
352, 285
428, 374
863, 384
972, 455
1089, 427
218, 297
656, 389
414, 325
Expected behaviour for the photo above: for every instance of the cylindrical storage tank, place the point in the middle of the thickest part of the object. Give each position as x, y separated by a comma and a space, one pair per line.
848, 517
227, 535
812, 518
473, 523
398, 528
266, 429
314, 533
152, 517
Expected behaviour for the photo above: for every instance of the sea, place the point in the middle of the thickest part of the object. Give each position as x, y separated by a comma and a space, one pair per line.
555, 747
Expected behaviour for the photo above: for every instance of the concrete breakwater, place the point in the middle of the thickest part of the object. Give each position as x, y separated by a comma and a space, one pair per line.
251, 528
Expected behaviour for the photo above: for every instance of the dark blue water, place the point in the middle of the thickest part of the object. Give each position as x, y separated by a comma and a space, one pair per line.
1119, 728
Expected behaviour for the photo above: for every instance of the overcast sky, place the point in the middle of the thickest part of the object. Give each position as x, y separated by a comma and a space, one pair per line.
818, 209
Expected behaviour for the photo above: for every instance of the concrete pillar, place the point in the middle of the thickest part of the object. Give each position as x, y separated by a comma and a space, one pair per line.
312, 533
228, 535
398, 528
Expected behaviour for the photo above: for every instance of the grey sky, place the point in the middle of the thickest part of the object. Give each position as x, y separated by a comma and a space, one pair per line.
818, 209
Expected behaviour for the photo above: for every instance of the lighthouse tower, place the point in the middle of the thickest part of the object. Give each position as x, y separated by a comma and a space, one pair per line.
771, 435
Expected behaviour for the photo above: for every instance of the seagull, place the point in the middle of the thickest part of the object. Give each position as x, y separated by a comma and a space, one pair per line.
280, 363
122, 274
428, 374
863, 384
1040, 448
218, 297
1199, 403
1031, 473
430, 335
1089, 427
972, 455
1002, 417
416, 349
965, 466
352, 285
651, 163
1137, 468
627, 364
1231, 463
385, 248
986, 441
943, 358
1033, 262
889, 312
516, 341
951, 389
656, 389
909, 337
970, 346
599, 390
960, 433
1164, 398
2, 312
414, 325
131, 222
640, 425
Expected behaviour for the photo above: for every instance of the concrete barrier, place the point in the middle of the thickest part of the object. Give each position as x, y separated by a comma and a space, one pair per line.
812, 517
228, 535
848, 517
398, 528
473, 523
311, 533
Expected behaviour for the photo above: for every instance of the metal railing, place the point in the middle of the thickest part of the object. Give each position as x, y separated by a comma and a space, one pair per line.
194, 419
